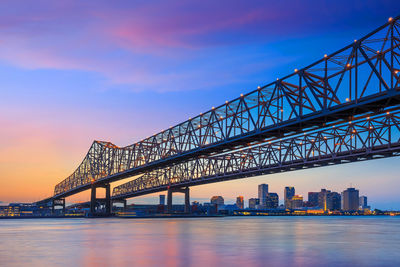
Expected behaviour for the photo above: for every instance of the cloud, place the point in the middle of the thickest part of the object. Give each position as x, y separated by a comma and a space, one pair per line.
161, 45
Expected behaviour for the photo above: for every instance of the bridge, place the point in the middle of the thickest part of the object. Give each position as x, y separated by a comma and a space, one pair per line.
341, 108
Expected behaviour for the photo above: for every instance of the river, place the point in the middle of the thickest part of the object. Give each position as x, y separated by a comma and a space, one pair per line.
225, 241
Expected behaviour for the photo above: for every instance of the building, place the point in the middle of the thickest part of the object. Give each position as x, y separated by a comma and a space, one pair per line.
328, 200
363, 203
240, 202
262, 193
288, 194
350, 199
295, 202
334, 201
217, 200
322, 199
272, 201
253, 202
313, 199
162, 199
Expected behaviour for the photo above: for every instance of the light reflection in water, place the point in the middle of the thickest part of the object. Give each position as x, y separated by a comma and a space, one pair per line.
238, 241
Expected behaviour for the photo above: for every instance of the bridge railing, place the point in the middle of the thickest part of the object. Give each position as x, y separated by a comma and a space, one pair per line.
358, 77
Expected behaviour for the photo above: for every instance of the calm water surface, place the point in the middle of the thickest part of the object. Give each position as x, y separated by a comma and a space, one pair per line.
232, 241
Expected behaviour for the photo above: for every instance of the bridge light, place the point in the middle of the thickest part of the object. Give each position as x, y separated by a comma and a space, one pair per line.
370, 127
355, 40
241, 95
213, 108
378, 52
220, 117
325, 55
300, 143
390, 19
199, 126
349, 122
295, 70
281, 110
325, 137
258, 87
367, 118
201, 113
388, 113
190, 118
348, 65
347, 99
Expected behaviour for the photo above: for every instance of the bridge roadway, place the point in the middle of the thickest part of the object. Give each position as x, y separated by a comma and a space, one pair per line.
368, 137
359, 78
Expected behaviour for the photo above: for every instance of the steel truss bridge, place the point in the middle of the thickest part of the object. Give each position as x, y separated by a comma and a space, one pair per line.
344, 107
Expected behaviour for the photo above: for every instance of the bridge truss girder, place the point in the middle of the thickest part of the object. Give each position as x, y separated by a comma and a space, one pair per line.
359, 78
363, 139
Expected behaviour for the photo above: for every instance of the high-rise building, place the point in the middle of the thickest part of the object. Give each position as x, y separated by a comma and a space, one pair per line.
288, 194
363, 202
240, 202
313, 199
322, 199
295, 202
272, 201
162, 199
262, 193
350, 199
217, 200
328, 200
334, 201
253, 202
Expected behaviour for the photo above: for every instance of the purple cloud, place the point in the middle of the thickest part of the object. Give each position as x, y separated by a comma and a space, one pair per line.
154, 45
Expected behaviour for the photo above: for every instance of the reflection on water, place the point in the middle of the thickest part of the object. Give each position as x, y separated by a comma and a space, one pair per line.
231, 241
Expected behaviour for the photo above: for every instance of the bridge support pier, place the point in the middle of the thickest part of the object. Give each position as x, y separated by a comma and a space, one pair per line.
94, 199
178, 190
58, 202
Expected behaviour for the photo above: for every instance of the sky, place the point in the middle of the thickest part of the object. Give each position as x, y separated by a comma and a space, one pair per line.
76, 71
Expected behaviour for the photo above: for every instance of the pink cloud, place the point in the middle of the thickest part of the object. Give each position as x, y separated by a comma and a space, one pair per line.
144, 44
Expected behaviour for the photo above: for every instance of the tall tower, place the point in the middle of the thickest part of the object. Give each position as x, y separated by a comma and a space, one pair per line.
350, 199
262, 194
240, 202
288, 194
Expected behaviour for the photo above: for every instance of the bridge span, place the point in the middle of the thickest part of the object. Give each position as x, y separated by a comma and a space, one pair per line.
306, 119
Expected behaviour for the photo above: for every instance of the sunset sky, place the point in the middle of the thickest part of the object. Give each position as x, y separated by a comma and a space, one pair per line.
76, 71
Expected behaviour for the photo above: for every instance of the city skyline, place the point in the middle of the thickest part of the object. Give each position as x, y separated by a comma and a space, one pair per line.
222, 200
59, 135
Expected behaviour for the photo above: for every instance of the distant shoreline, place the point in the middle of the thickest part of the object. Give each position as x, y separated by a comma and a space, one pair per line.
162, 216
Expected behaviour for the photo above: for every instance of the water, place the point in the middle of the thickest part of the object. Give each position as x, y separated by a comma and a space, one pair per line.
230, 241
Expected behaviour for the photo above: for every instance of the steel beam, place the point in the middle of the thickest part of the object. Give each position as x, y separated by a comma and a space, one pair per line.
360, 78
364, 138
